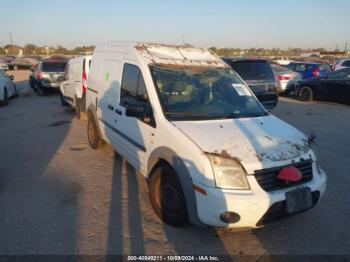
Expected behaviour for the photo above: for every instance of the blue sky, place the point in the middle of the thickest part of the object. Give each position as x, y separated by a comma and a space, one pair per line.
222, 23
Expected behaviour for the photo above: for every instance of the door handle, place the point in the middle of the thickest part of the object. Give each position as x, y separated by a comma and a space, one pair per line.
119, 112
110, 107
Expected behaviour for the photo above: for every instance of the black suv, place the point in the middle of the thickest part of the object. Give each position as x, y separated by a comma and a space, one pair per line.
258, 75
47, 74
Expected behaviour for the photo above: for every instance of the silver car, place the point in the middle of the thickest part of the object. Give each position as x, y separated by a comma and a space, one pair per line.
286, 79
4, 66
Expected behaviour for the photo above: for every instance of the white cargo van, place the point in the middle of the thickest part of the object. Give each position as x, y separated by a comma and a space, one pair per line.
73, 88
211, 153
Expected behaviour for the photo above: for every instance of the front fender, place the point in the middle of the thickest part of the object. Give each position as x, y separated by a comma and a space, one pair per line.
168, 155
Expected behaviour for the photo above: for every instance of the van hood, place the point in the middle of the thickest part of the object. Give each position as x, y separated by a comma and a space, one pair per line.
258, 141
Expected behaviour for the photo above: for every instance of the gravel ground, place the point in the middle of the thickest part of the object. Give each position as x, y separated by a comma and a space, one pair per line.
58, 196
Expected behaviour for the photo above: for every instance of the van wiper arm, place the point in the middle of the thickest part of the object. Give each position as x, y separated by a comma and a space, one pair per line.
239, 115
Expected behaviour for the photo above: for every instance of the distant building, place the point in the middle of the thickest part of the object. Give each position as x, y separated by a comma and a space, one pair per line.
335, 53
310, 54
13, 50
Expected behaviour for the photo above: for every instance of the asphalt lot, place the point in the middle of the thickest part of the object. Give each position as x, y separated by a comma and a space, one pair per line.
58, 196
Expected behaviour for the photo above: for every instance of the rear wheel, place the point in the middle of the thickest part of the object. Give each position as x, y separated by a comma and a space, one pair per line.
16, 93
306, 94
40, 91
167, 196
77, 103
5, 100
31, 84
92, 132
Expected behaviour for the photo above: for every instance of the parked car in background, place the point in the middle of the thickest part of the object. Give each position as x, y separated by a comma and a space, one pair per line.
47, 74
74, 86
25, 62
4, 66
310, 69
341, 64
334, 88
282, 60
212, 154
7, 87
258, 75
286, 79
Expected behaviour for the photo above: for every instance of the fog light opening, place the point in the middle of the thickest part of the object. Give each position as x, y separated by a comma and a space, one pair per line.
230, 217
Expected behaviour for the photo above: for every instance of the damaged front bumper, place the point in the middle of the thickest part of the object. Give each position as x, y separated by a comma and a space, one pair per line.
252, 208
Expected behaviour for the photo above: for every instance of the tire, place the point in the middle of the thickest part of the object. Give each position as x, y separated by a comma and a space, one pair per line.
31, 84
40, 91
5, 101
63, 102
306, 94
77, 103
93, 134
16, 93
167, 197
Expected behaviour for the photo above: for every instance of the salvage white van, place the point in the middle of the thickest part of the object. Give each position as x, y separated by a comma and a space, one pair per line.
73, 88
211, 153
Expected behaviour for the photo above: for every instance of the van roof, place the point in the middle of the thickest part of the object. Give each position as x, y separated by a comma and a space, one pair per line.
167, 54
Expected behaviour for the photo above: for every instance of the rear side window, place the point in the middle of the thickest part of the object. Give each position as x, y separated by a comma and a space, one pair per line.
346, 63
253, 70
133, 87
300, 68
324, 67
279, 69
340, 75
54, 66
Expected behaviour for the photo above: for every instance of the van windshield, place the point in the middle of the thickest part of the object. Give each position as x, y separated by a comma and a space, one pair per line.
202, 93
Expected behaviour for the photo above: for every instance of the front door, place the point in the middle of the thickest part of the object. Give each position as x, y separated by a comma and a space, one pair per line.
133, 135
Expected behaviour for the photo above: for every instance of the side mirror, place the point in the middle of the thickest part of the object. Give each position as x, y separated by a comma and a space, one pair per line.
142, 98
136, 110
12, 77
32, 69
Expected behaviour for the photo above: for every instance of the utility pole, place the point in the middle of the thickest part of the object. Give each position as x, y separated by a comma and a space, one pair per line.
11, 39
346, 47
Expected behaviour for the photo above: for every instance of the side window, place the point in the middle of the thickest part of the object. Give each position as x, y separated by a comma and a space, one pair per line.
300, 68
141, 90
341, 75
133, 90
346, 63
129, 85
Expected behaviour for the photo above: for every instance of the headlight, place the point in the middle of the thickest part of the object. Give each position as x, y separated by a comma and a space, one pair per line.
229, 173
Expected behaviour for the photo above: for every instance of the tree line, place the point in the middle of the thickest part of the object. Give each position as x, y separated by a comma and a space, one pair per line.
31, 49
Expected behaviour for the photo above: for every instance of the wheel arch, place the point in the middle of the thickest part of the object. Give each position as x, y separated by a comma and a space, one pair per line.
168, 156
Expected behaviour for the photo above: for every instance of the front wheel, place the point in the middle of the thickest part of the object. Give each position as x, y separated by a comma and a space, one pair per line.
306, 94
167, 196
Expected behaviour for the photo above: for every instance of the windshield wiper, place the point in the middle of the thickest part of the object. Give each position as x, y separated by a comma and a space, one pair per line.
239, 115
187, 114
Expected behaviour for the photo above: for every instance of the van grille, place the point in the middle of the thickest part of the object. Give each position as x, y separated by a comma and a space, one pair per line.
268, 181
